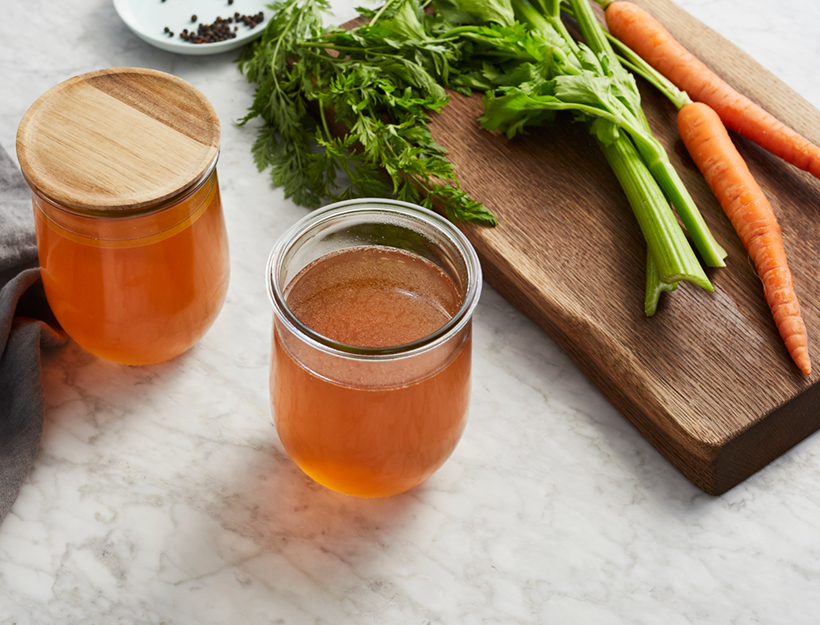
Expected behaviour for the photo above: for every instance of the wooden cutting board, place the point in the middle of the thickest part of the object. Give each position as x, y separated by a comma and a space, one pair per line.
707, 380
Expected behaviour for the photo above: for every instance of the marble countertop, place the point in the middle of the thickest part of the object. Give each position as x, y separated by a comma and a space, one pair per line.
162, 494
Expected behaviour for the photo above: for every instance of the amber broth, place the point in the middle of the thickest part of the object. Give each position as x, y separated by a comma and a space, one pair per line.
139, 300
368, 439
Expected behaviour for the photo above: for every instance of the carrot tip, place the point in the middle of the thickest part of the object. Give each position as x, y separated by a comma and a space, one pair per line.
802, 361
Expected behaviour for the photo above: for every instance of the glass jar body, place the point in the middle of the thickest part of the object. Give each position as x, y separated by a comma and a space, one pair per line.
371, 422
369, 429
140, 288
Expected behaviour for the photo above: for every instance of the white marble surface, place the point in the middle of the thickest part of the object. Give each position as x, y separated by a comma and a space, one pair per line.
162, 495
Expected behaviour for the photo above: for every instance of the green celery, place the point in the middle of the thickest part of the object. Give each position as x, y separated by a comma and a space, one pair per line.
651, 150
664, 238
638, 66
654, 286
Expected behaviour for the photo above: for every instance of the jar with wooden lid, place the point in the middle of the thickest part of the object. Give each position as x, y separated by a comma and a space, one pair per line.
130, 231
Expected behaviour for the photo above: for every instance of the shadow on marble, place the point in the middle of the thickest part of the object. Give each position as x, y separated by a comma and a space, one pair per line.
79, 385
278, 506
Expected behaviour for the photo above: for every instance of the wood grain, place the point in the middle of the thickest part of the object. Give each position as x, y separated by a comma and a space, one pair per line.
707, 380
118, 139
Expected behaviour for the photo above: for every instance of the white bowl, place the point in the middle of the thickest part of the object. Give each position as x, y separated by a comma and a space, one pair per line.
148, 19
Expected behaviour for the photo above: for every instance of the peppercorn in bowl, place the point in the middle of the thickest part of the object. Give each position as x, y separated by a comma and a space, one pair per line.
194, 26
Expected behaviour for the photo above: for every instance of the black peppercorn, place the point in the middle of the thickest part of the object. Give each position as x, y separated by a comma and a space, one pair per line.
220, 29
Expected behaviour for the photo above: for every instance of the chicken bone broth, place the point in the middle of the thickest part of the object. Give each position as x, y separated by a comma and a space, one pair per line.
136, 290
373, 297
364, 428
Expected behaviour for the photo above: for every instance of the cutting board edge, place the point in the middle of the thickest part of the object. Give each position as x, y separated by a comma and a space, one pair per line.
715, 468
770, 437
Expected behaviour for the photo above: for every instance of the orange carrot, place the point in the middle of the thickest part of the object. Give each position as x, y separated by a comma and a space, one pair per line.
641, 32
744, 203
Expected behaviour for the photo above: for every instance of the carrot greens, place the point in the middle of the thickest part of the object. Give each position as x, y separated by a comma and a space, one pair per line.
375, 88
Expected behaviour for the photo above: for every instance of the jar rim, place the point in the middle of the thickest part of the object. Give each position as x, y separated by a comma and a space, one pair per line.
375, 205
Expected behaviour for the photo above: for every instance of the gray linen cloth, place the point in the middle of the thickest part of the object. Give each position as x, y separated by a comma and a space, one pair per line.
26, 325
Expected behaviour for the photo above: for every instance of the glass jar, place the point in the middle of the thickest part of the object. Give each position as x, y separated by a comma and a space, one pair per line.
372, 421
131, 236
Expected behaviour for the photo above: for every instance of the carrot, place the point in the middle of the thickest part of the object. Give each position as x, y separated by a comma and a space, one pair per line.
744, 203
641, 32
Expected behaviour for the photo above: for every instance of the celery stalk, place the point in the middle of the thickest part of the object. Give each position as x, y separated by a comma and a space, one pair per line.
640, 175
638, 66
654, 286
651, 150
667, 176
664, 237
594, 84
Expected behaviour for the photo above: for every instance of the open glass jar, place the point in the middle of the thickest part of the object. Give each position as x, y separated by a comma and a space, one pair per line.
130, 231
358, 408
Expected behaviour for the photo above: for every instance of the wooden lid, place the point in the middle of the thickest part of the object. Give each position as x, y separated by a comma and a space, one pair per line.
117, 139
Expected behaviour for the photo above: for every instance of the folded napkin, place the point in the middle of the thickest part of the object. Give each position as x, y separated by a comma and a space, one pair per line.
26, 325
